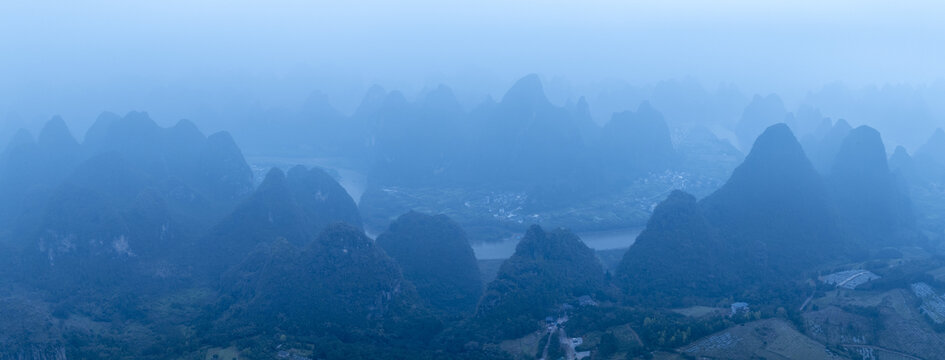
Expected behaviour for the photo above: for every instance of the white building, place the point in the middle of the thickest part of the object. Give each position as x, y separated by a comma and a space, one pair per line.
739, 307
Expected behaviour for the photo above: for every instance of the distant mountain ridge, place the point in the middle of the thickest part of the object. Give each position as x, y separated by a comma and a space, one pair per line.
120, 204
774, 220
294, 207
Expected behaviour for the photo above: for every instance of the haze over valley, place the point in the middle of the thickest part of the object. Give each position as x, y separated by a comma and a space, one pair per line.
472, 180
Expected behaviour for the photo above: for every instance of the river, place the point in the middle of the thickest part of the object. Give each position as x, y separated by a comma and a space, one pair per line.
355, 182
597, 240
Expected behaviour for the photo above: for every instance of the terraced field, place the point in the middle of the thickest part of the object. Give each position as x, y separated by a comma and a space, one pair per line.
767, 339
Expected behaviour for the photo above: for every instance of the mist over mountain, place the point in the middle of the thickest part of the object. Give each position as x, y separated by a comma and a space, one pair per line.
294, 208
417, 144
762, 112
126, 161
775, 210
31, 168
885, 107
929, 155
733, 238
472, 180
136, 216
901, 164
823, 151
636, 143
867, 195
181, 152
521, 134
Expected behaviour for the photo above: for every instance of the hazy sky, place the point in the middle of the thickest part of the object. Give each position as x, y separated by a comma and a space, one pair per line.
81, 57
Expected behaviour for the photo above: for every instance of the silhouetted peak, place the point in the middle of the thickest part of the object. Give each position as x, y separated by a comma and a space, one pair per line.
645, 110
185, 134
679, 197
837, 133
760, 113
223, 139
99, 129
186, 126
274, 178
56, 134
441, 98
318, 106
537, 243
534, 233
865, 191
645, 114
677, 230
440, 94
842, 125
770, 100
139, 119
638, 141
297, 171
132, 129
679, 204
542, 260
776, 161
900, 151
436, 257
862, 154
900, 161
323, 199
581, 111
865, 133
408, 217
526, 90
375, 92
373, 98
414, 220
765, 108
532, 242
317, 101
223, 163
900, 154
864, 136
311, 177
582, 106
776, 143
395, 100
824, 149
